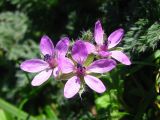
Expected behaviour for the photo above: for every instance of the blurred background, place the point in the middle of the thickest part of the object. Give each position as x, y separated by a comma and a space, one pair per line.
133, 92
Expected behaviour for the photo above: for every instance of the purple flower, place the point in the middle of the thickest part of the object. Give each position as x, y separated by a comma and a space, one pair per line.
103, 47
82, 73
49, 65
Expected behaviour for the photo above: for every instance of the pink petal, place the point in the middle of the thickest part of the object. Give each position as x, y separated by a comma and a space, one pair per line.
55, 72
98, 33
62, 47
79, 52
66, 65
94, 83
34, 65
103, 53
41, 77
46, 46
72, 87
115, 37
121, 57
101, 66
90, 47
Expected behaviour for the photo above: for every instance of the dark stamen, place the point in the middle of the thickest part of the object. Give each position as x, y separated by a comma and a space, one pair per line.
80, 70
47, 57
107, 42
79, 65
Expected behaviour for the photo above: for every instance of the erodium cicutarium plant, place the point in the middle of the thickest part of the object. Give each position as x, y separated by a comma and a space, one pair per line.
49, 65
105, 47
82, 73
61, 61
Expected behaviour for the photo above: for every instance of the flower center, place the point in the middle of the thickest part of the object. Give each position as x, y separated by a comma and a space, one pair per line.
103, 47
80, 70
50, 60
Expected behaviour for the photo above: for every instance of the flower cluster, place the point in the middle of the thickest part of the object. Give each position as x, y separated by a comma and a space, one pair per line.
58, 62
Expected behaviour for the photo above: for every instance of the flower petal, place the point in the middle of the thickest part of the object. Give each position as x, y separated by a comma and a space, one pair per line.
41, 77
34, 65
55, 72
79, 51
121, 57
46, 46
66, 65
94, 83
90, 47
98, 33
72, 87
62, 47
101, 66
103, 53
115, 37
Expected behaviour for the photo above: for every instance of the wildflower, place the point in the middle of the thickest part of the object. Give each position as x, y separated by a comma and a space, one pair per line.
82, 73
49, 65
103, 47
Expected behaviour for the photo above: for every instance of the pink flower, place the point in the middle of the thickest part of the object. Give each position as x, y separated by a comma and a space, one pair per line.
82, 73
49, 65
103, 47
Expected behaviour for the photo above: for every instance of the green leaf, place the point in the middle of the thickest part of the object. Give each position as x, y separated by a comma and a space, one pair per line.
50, 113
103, 101
14, 111
3, 115
117, 115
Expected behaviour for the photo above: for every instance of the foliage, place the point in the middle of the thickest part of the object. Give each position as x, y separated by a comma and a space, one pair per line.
141, 38
13, 28
133, 91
